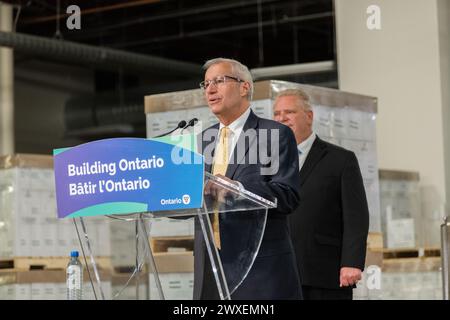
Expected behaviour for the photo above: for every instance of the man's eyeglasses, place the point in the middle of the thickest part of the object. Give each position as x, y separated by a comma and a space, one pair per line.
218, 81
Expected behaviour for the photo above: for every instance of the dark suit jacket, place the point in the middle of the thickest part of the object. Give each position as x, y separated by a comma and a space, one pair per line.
329, 228
274, 274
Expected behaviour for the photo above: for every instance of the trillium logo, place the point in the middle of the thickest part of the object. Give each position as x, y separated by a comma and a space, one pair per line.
186, 199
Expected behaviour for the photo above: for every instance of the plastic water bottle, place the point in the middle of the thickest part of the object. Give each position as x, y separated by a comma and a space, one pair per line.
74, 277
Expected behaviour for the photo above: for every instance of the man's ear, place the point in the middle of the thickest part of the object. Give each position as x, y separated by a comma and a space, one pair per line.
245, 88
311, 116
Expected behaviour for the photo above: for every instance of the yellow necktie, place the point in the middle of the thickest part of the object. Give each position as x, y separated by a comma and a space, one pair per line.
220, 167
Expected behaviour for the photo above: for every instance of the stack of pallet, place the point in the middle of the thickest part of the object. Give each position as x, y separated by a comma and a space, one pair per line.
369, 288
399, 274
411, 274
46, 280
126, 285
171, 242
32, 237
343, 118
401, 214
175, 263
411, 262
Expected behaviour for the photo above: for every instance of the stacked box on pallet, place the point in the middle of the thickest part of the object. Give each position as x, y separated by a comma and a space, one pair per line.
175, 268
176, 273
123, 243
369, 287
343, 118
412, 279
44, 285
434, 209
28, 220
401, 217
123, 236
175, 286
124, 287
166, 227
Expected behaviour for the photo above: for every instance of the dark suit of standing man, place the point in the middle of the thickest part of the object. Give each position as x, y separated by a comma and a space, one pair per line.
329, 228
228, 90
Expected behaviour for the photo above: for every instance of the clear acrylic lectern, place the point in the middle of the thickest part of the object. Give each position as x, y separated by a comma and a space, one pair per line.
234, 205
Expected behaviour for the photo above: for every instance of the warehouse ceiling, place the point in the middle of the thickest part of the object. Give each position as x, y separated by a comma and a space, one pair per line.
260, 32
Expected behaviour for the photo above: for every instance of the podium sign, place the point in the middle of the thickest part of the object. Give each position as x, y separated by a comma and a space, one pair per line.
126, 175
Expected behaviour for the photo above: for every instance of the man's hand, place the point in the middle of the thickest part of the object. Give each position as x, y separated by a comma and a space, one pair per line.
349, 276
216, 191
226, 178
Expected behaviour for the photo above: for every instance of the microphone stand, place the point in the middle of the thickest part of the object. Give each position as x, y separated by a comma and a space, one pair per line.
181, 124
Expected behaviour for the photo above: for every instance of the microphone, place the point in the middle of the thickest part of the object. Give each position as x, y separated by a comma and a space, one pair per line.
181, 124
191, 123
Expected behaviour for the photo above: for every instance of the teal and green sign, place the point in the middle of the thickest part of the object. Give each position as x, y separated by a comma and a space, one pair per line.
127, 175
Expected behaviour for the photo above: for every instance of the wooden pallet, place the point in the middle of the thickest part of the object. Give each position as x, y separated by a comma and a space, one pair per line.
166, 262
125, 269
174, 247
9, 276
375, 240
41, 263
411, 253
402, 265
167, 244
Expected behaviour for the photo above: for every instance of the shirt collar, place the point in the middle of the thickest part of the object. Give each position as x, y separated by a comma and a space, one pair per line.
238, 124
304, 146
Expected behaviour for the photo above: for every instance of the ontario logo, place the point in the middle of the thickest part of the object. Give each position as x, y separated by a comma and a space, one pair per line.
186, 199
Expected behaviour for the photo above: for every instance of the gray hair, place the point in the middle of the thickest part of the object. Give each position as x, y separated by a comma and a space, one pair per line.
239, 70
299, 93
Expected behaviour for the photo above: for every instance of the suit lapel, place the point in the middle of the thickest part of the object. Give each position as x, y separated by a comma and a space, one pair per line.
208, 167
317, 152
251, 123
208, 162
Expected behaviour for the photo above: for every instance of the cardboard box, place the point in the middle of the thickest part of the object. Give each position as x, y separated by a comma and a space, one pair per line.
45, 285
340, 117
176, 273
412, 278
401, 216
125, 289
29, 216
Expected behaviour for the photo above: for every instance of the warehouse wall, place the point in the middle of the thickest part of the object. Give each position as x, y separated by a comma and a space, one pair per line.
401, 64
41, 90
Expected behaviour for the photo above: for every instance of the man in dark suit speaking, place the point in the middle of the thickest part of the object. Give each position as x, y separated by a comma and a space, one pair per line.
230, 149
329, 228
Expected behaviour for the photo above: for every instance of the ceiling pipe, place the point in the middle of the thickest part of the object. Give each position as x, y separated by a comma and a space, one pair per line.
197, 11
226, 29
114, 59
84, 12
293, 69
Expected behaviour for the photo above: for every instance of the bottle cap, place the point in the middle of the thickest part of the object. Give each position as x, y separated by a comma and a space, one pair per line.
74, 254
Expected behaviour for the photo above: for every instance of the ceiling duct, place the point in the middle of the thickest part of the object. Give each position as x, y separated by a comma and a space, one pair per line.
293, 69
112, 114
96, 117
72, 52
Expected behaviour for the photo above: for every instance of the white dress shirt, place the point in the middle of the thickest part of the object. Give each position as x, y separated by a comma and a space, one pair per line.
236, 128
303, 149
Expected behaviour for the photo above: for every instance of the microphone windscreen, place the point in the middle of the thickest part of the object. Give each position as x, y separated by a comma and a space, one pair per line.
193, 122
